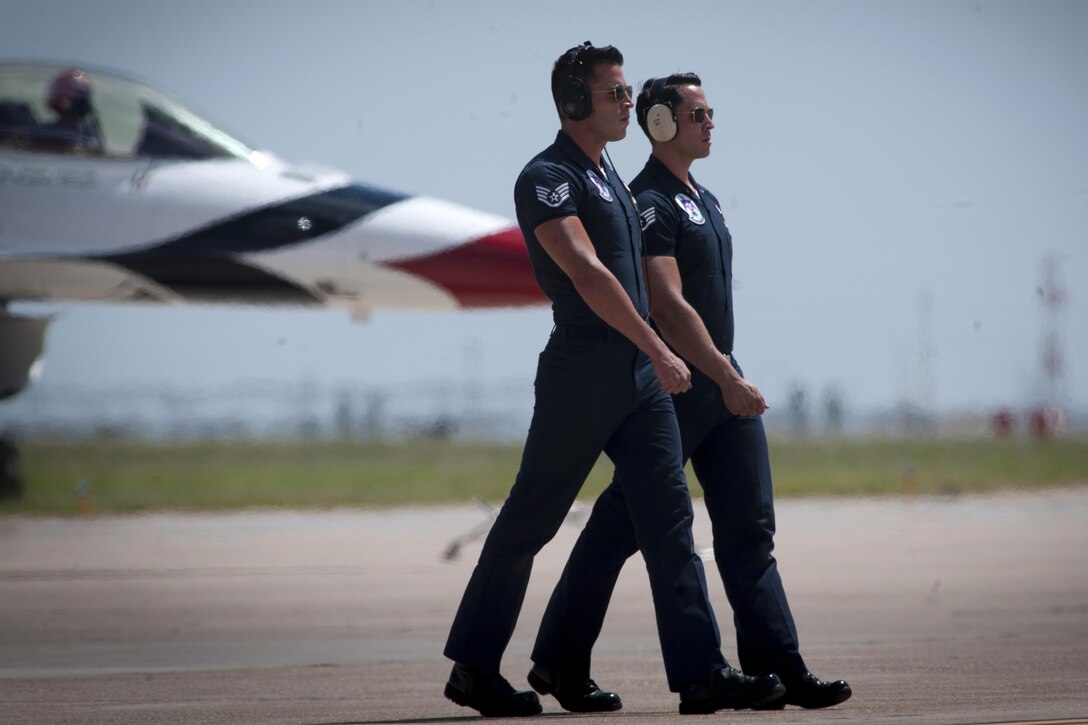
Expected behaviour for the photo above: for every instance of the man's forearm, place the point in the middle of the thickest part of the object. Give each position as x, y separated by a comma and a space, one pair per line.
608, 300
685, 332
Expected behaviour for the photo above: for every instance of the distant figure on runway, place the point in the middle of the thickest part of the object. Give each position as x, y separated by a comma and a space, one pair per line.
689, 264
602, 384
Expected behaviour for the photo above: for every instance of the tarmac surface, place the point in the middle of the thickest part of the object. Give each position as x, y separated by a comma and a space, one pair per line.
943, 611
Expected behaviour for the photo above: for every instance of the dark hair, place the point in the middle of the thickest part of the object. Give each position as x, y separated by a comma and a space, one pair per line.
581, 62
669, 95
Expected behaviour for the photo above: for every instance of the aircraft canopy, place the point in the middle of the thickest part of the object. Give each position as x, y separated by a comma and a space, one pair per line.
56, 109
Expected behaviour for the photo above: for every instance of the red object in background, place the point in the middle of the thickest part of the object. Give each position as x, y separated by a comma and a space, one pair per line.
1045, 421
1003, 423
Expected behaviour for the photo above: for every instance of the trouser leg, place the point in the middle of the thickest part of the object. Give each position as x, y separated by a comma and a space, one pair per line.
647, 455
576, 611
733, 465
575, 614
571, 422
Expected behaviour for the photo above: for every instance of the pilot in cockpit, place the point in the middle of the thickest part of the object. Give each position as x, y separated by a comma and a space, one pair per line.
75, 130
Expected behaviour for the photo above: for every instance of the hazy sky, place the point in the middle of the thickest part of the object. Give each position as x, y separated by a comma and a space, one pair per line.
893, 173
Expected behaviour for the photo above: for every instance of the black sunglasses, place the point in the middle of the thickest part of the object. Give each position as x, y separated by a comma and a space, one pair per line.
698, 115
619, 93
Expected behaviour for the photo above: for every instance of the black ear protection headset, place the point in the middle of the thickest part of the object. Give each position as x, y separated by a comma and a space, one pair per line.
660, 117
575, 100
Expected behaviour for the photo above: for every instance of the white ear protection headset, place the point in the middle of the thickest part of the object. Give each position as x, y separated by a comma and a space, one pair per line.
660, 117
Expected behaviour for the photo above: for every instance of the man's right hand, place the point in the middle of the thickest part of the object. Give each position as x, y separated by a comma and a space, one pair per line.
743, 398
672, 373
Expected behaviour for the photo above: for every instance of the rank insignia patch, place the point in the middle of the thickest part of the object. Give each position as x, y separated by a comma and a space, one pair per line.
648, 216
553, 197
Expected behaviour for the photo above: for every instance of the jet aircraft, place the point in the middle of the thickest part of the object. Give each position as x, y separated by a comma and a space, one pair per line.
113, 191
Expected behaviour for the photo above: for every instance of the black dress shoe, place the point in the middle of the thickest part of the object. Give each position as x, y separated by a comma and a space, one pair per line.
574, 694
812, 693
490, 693
729, 688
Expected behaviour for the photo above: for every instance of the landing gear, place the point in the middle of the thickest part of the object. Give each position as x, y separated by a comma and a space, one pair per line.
11, 473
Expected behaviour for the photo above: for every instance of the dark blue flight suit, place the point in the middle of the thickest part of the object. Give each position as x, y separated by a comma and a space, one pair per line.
728, 453
595, 391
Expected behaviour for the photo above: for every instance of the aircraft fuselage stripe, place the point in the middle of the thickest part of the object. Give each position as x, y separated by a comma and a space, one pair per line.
208, 265
279, 225
216, 279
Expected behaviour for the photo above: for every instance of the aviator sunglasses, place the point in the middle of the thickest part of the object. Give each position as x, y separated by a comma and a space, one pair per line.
619, 93
698, 115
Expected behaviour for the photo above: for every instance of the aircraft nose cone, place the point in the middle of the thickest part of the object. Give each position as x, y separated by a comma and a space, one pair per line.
490, 271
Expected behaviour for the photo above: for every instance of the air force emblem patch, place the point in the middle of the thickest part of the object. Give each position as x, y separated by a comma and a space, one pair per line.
689, 207
553, 197
601, 188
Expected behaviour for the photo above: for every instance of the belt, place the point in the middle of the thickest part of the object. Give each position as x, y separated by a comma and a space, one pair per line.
596, 333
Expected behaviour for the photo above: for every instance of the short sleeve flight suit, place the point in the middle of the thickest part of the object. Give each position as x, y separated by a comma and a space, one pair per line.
595, 391
728, 453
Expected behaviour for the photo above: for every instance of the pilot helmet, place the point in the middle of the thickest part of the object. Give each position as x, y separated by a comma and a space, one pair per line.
70, 92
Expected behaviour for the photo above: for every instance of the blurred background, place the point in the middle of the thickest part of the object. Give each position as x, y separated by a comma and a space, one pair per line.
906, 184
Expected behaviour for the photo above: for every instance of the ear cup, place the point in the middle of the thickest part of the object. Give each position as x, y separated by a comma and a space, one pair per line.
660, 118
574, 100
661, 122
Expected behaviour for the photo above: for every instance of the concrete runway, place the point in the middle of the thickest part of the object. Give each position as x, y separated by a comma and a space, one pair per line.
937, 610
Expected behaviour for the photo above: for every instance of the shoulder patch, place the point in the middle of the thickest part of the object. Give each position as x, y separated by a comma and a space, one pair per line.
690, 208
602, 188
553, 197
648, 217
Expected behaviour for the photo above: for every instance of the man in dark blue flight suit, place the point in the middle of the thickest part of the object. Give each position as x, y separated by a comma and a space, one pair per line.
689, 265
602, 384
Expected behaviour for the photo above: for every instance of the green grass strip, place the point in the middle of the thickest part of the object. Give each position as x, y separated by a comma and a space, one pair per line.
125, 476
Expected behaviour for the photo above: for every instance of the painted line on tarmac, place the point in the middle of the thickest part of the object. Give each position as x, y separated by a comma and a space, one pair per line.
1072, 721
